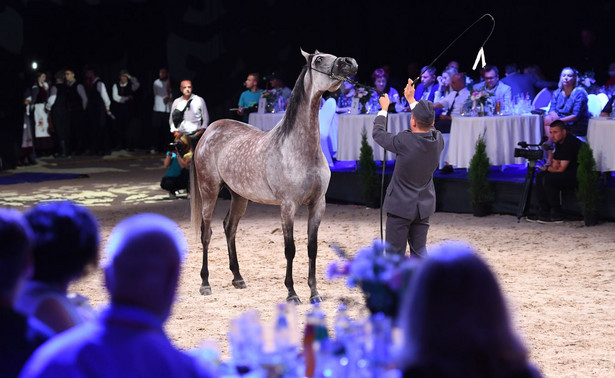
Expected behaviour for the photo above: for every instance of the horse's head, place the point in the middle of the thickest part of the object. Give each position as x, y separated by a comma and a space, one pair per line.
333, 70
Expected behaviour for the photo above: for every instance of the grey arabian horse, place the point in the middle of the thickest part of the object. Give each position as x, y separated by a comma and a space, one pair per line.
284, 167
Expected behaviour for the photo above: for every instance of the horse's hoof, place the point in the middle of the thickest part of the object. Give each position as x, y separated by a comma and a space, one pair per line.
294, 299
205, 290
239, 284
316, 299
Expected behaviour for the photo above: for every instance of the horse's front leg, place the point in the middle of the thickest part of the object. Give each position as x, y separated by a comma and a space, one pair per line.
316, 211
288, 211
237, 210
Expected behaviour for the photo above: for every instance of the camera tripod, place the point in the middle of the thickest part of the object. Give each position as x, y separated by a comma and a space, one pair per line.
526, 196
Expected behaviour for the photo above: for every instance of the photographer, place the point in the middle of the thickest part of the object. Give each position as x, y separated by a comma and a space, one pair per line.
177, 162
558, 174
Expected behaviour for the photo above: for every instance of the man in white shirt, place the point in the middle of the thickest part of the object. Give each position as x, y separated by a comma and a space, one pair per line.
159, 136
195, 117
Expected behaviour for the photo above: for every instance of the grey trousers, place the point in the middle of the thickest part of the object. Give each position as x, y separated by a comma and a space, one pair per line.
413, 232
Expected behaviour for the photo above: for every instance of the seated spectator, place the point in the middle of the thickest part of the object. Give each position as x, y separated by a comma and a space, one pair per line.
455, 322
608, 108
521, 84
142, 268
559, 173
276, 81
177, 162
379, 78
248, 100
453, 102
611, 80
444, 84
65, 248
493, 86
428, 87
20, 335
345, 95
569, 104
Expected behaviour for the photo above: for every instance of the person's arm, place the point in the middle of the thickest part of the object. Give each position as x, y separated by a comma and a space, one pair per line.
102, 89
53, 94
171, 125
409, 93
204, 114
134, 83
115, 94
557, 166
84, 97
167, 160
182, 162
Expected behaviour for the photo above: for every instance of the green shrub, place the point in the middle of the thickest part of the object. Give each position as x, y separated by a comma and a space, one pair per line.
478, 171
588, 191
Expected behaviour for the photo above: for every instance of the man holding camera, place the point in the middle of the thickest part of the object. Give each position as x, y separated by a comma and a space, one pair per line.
559, 173
177, 161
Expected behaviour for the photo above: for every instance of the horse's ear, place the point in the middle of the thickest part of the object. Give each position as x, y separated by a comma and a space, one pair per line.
305, 55
316, 52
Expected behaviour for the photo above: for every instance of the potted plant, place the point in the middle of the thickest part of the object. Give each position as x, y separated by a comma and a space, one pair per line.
480, 190
367, 174
588, 191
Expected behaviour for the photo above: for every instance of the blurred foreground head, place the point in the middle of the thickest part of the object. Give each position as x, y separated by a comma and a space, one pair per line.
455, 318
143, 259
15, 244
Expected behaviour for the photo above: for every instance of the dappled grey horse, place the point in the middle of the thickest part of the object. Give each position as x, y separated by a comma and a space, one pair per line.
284, 167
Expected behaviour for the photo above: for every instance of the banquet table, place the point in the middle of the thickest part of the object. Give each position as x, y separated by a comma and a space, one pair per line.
350, 127
502, 133
265, 121
601, 138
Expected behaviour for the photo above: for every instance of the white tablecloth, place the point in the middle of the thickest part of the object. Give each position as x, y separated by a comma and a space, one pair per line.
601, 138
501, 135
349, 131
265, 121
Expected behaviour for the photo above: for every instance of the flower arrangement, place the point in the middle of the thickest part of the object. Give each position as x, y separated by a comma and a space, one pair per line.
363, 94
479, 96
588, 82
381, 275
271, 95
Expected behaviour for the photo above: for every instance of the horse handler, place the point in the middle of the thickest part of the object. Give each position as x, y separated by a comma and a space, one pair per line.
410, 198
189, 114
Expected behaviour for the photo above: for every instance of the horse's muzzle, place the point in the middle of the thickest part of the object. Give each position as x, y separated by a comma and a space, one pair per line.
345, 66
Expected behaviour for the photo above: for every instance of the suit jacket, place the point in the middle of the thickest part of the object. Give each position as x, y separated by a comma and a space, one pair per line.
520, 83
411, 193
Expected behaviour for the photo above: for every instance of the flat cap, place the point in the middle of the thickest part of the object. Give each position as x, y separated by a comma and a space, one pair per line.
424, 112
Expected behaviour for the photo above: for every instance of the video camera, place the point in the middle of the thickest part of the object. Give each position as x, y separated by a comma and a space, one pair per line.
171, 147
532, 151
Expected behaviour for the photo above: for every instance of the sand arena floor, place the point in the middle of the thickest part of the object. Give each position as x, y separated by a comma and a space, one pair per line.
559, 279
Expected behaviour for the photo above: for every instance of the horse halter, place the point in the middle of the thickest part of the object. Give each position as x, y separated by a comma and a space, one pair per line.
330, 74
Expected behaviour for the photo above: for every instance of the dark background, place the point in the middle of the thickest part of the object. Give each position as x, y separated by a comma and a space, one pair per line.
217, 43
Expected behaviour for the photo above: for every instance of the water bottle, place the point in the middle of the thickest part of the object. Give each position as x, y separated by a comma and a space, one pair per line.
316, 343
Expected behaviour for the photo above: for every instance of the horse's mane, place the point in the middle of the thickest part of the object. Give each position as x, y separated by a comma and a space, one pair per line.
296, 97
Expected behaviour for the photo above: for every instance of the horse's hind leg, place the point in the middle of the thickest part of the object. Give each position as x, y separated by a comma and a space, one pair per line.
288, 211
316, 211
208, 205
237, 210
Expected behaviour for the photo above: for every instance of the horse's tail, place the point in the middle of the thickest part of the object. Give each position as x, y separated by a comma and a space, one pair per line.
196, 202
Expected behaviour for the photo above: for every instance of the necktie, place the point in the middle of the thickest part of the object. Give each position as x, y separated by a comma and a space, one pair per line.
450, 109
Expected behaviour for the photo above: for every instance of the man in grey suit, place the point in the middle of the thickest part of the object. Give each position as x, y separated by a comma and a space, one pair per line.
410, 198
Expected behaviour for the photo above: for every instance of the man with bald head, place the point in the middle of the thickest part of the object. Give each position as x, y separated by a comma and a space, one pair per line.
142, 267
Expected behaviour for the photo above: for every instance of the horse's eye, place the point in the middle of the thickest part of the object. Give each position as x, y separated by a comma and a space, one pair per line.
318, 59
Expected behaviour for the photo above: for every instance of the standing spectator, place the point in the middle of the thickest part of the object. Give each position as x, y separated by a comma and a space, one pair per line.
123, 94
455, 322
411, 198
57, 104
76, 102
250, 97
499, 91
142, 268
65, 247
20, 335
162, 109
28, 155
569, 104
195, 117
39, 95
99, 107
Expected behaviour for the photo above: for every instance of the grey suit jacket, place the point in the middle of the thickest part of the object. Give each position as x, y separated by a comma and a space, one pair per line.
411, 193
